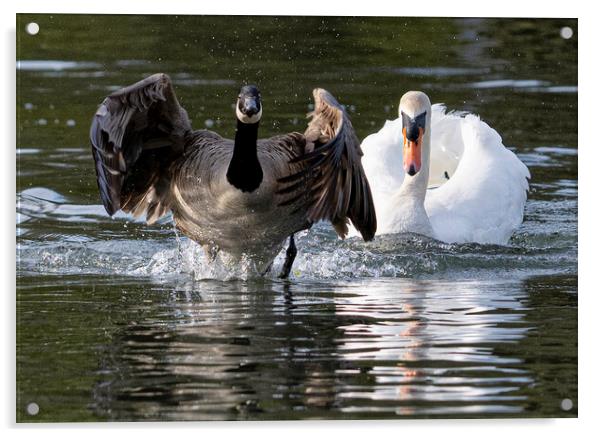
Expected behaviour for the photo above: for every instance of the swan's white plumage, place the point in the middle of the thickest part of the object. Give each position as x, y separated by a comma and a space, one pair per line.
484, 199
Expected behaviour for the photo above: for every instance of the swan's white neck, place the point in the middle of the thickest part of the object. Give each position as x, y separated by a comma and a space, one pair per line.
414, 187
409, 214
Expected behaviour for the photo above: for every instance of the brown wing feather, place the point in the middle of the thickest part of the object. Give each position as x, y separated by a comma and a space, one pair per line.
136, 133
332, 181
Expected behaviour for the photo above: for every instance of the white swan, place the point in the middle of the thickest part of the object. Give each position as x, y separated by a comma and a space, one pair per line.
446, 176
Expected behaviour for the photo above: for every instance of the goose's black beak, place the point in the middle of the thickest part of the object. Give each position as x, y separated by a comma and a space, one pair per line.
250, 106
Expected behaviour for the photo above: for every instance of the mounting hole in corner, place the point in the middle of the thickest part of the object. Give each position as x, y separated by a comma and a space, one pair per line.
566, 404
33, 409
566, 32
32, 28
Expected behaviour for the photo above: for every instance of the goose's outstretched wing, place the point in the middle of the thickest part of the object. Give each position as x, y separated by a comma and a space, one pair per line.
136, 133
332, 181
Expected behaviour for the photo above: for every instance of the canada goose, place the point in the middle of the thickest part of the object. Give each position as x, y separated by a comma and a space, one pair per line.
243, 197
444, 175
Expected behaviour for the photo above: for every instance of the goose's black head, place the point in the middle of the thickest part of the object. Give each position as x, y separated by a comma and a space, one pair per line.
248, 106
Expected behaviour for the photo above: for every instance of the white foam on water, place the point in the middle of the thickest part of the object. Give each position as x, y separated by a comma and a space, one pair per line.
321, 256
61, 243
191, 259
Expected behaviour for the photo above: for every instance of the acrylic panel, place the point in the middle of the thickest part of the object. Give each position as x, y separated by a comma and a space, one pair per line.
119, 320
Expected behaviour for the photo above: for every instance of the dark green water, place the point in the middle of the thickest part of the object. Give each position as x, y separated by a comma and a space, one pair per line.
120, 321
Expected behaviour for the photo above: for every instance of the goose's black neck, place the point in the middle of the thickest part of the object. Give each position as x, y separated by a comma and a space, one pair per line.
244, 171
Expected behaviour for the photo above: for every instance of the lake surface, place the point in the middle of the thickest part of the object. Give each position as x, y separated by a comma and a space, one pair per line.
121, 321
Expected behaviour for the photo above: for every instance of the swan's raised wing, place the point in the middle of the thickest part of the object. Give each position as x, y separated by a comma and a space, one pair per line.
136, 133
332, 182
485, 197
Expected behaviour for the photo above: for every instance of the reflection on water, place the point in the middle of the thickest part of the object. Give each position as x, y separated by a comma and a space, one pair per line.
121, 321
267, 350
433, 319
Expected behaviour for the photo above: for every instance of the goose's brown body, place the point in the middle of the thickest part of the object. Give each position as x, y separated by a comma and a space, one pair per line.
236, 222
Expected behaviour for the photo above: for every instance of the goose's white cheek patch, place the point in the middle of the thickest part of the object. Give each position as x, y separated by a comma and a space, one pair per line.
246, 119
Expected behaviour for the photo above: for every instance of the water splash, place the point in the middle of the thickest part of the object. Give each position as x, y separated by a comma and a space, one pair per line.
191, 259
321, 256
56, 236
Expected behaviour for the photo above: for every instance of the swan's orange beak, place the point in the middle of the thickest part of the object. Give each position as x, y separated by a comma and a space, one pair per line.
412, 153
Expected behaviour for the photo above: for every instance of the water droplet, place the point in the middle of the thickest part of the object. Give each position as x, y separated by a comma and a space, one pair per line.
209, 123
42, 122
28, 106
70, 123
